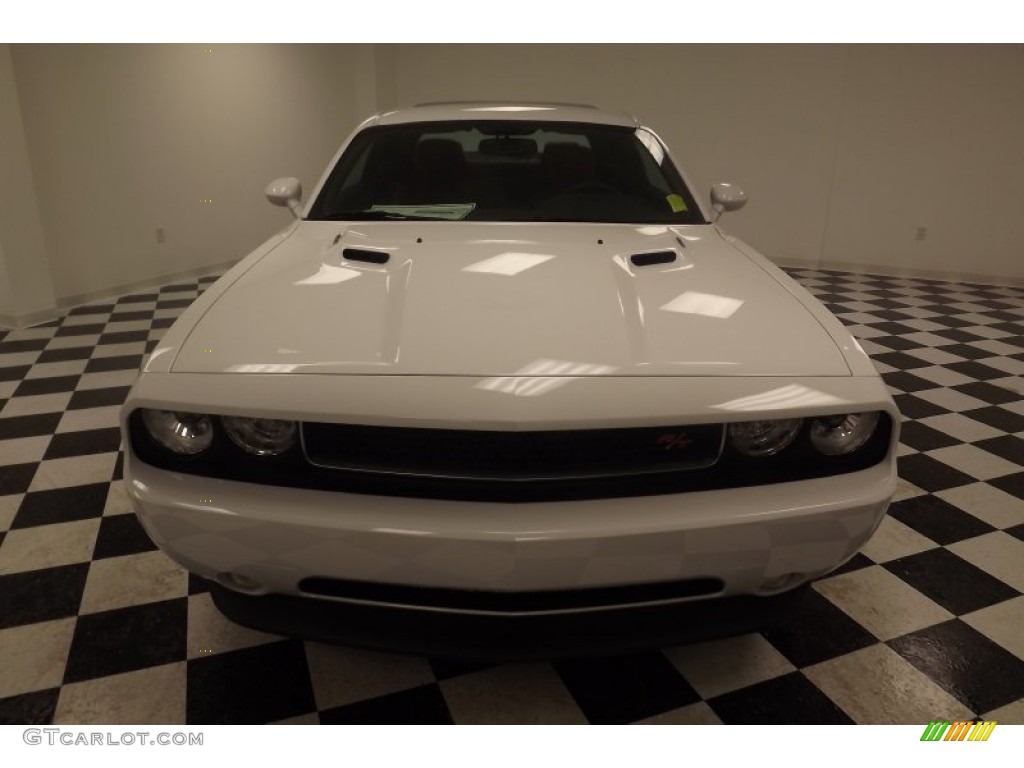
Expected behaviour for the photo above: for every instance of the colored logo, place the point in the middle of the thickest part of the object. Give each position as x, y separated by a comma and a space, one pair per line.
960, 730
674, 440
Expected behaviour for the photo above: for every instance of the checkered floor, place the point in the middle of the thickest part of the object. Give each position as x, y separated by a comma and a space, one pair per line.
96, 626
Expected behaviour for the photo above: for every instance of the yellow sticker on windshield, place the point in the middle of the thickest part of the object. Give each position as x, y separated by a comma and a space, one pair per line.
676, 202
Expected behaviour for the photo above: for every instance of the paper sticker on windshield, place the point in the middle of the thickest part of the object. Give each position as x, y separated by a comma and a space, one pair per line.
676, 202
452, 211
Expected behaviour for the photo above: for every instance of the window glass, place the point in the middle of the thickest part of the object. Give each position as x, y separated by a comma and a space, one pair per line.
506, 171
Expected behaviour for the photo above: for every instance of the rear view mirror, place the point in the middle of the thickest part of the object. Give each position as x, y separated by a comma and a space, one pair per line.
508, 147
286, 192
726, 197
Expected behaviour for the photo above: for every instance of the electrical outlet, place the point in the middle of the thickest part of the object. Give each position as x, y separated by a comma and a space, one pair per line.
161, 236
921, 233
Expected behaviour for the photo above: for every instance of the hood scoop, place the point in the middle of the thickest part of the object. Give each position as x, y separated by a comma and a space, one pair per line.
370, 257
651, 259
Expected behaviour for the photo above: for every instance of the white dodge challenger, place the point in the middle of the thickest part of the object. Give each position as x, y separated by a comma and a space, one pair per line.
504, 386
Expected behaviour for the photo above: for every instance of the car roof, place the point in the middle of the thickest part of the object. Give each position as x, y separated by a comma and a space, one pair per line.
502, 110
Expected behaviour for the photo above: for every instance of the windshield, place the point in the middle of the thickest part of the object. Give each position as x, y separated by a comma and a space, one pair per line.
506, 171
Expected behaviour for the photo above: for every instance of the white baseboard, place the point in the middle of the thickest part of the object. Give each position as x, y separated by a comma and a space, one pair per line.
11, 322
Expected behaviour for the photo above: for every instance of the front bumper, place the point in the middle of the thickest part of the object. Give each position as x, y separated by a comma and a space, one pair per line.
507, 638
273, 538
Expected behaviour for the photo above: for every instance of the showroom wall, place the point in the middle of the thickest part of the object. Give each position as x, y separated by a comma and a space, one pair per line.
847, 152
26, 292
895, 158
126, 139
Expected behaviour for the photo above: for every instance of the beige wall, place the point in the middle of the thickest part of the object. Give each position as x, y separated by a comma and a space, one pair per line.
845, 151
128, 138
25, 289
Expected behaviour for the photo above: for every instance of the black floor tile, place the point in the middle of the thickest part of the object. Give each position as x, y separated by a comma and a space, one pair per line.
35, 708
965, 663
123, 337
855, 563
14, 372
1007, 447
907, 382
16, 478
997, 417
929, 474
1012, 484
95, 398
43, 595
821, 632
897, 343
28, 345
126, 639
921, 437
29, 426
1017, 531
197, 584
121, 535
173, 303
939, 520
254, 685
124, 317
900, 361
61, 505
976, 370
86, 329
64, 353
915, 408
624, 689
119, 363
950, 581
47, 386
788, 700
83, 442
990, 393
424, 705
967, 351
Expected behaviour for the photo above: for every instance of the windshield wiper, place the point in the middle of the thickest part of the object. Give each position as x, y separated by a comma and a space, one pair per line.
372, 216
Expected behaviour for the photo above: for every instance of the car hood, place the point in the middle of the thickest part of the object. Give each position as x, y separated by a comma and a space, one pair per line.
509, 299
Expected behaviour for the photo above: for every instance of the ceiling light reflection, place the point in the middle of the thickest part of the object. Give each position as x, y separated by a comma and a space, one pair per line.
542, 376
653, 145
261, 368
328, 274
707, 304
791, 396
508, 263
508, 109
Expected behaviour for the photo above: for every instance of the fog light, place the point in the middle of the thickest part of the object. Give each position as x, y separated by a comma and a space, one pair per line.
239, 583
782, 582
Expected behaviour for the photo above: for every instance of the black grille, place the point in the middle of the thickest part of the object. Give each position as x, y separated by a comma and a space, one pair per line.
513, 456
487, 601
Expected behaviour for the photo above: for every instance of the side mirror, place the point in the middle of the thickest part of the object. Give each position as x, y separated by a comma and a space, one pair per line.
726, 197
286, 192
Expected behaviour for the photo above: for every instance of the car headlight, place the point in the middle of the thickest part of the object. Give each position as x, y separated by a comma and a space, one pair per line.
763, 438
261, 437
844, 433
186, 434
